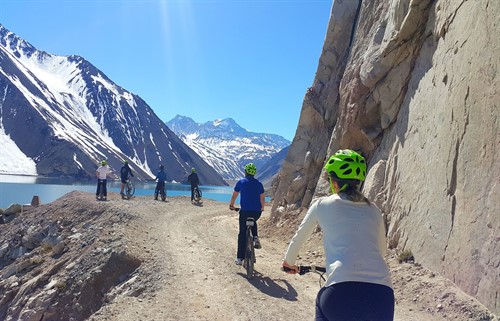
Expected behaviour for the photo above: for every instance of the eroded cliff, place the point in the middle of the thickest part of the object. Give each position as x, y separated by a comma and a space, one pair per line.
413, 85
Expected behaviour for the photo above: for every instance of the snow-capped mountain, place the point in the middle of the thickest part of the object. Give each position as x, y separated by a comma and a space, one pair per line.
226, 146
60, 115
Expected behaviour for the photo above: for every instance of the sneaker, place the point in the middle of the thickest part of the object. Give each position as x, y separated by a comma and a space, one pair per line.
122, 194
257, 242
238, 261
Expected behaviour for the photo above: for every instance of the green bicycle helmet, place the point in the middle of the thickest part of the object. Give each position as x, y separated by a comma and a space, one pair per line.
193, 170
346, 164
103, 163
125, 162
251, 169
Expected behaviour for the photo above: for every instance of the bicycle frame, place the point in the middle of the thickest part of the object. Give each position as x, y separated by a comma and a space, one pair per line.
249, 260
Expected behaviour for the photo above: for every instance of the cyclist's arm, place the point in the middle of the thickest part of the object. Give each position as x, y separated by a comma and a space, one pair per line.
294, 268
262, 201
303, 232
233, 199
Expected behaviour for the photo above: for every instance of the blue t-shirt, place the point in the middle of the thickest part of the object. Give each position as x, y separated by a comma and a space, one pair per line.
161, 176
250, 190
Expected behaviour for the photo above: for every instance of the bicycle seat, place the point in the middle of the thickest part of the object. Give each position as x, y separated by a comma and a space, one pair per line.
250, 221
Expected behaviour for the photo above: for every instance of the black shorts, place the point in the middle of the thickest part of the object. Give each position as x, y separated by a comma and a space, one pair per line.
124, 180
355, 301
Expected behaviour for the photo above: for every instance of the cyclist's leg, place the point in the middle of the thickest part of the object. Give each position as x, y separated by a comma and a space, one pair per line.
104, 188
122, 187
256, 216
192, 193
242, 234
98, 188
157, 190
352, 301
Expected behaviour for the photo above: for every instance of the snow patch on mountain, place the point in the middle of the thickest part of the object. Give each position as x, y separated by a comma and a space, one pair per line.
12, 159
225, 145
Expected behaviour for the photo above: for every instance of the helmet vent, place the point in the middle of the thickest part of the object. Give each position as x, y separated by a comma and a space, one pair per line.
344, 166
347, 172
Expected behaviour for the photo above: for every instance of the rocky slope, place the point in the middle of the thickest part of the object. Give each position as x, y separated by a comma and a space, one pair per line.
414, 86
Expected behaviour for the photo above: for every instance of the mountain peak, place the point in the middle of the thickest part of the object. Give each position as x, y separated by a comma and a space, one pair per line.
226, 145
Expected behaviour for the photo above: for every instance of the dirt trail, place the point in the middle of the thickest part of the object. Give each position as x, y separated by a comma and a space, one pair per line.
188, 253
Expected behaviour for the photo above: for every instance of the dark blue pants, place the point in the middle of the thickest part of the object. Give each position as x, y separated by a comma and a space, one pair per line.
104, 189
243, 227
355, 301
160, 188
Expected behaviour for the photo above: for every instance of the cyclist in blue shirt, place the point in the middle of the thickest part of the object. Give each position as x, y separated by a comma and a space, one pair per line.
125, 173
194, 181
161, 177
252, 203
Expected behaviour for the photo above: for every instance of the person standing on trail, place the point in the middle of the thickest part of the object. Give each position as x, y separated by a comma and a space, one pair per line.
125, 173
358, 284
252, 203
102, 173
161, 177
194, 180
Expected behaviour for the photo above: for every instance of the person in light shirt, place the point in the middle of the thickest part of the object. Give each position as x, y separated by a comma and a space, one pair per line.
102, 177
358, 284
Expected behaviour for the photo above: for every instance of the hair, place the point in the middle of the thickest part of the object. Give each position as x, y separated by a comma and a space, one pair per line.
351, 190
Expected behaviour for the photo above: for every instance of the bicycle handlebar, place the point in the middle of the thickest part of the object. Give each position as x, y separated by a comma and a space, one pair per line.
303, 269
236, 209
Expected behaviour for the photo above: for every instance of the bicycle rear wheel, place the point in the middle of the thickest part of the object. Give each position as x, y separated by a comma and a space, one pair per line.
130, 189
197, 194
249, 254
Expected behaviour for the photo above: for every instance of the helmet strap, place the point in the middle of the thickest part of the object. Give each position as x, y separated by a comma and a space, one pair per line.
331, 184
332, 187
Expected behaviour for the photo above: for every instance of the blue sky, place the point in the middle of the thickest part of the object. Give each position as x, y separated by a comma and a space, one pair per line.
247, 60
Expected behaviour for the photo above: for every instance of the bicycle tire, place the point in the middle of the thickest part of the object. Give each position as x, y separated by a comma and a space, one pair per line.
249, 254
197, 194
130, 190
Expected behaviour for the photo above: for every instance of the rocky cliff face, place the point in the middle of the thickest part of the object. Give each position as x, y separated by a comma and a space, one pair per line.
413, 85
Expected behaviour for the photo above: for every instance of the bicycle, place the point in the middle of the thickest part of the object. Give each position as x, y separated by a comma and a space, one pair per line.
249, 259
303, 269
129, 189
197, 194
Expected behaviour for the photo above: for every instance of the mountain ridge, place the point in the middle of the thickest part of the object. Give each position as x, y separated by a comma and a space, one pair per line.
66, 115
226, 145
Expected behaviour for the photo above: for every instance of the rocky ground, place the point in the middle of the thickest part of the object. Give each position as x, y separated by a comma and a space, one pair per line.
139, 259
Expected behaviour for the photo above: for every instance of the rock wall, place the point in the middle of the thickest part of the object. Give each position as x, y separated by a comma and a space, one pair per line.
418, 95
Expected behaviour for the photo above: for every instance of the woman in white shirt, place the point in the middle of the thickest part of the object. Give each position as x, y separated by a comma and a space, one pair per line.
358, 284
102, 174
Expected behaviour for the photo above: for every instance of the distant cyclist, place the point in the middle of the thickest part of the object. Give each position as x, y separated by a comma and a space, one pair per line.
125, 173
194, 181
161, 178
252, 201
358, 284
102, 173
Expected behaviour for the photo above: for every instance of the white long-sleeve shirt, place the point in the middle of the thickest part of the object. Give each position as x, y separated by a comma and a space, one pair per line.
353, 238
102, 172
